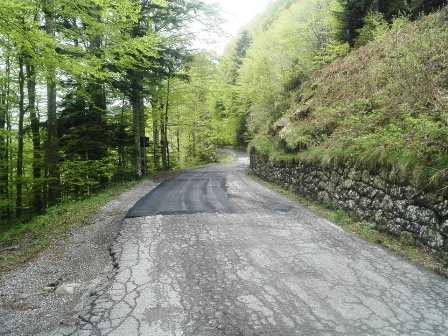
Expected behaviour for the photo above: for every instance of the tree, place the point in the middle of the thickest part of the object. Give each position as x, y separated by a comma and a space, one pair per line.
4, 150
35, 130
190, 107
20, 136
105, 66
352, 17
52, 154
167, 20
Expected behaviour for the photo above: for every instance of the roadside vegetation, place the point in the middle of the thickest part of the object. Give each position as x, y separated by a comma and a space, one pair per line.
343, 81
384, 106
23, 241
94, 93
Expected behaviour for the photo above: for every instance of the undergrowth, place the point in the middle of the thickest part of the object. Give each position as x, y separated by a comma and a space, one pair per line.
22, 241
382, 107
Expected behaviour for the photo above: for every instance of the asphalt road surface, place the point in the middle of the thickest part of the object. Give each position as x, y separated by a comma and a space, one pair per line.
213, 253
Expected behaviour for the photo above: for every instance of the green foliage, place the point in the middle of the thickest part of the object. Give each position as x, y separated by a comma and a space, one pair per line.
351, 14
81, 178
32, 237
287, 43
375, 26
104, 66
331, 53
382, 107
191, 100
228, 107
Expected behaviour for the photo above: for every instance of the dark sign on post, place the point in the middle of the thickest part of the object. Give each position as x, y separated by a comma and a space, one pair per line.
144, 142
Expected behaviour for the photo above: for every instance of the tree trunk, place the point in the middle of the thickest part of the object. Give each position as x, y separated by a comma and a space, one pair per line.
53, 191
178, 135
155, 137
37, 186
138, 121
97, 112
162, 140
96, 89
164, 130
20, 133
9, 153
4, 111
178, 142
138, 106
142, 124
121, 145
194, 139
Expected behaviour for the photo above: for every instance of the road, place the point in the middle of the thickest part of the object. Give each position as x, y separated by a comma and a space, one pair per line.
213, 253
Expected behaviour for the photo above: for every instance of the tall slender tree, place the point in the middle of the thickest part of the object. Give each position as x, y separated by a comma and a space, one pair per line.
35, 131
52, 156
20, 140
4, 112
164, 128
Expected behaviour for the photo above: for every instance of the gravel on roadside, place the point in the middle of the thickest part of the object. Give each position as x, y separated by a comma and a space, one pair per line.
52, 290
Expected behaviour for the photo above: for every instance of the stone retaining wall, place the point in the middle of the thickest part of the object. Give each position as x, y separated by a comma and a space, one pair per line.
395, 207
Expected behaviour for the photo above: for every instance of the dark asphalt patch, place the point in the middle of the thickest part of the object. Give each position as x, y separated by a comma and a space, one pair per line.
190, 193
201, 191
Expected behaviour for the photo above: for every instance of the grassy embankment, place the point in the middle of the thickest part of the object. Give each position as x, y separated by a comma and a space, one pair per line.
22, 241
382, 107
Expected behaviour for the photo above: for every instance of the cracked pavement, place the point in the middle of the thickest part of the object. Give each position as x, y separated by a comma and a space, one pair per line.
213, 253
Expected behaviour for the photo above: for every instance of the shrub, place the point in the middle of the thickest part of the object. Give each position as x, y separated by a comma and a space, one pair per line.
81, 178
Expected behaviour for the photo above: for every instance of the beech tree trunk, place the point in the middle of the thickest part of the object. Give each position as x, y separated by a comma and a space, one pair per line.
163, 140
9, 147
53, 190
34, 119
121, 146
138, 116
155, 137
164, 131
4, 112
142, 124
20, 133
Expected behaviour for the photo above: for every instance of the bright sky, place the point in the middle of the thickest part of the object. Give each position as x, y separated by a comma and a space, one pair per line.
236, 14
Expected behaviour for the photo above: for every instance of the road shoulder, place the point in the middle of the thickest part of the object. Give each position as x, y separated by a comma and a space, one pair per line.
400, 246
52, 289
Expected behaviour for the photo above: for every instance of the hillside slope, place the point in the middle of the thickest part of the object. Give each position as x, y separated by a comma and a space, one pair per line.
384, 106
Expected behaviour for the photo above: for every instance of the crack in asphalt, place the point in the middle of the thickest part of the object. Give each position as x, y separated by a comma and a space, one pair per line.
216, 254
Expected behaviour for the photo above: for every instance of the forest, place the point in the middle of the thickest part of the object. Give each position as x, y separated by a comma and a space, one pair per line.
95, 92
